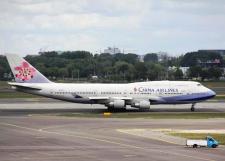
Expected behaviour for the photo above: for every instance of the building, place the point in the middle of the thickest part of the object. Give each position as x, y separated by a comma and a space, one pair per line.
141, 58
112, 50
219, 51
184, 70
209, 63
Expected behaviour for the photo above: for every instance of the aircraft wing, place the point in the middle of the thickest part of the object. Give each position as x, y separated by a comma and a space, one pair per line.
108, 98
155, 98
152, 98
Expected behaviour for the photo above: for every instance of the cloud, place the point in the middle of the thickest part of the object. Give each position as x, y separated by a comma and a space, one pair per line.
144, 25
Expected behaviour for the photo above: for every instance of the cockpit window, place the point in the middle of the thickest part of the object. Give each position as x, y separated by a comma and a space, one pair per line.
199, 84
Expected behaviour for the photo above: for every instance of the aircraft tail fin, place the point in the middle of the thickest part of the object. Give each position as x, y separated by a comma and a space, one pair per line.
23, 71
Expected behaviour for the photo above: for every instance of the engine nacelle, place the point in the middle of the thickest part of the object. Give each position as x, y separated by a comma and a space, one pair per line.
117, 104
142, 104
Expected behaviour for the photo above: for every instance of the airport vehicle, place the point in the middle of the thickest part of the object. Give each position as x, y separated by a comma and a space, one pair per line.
139, 95
208, 142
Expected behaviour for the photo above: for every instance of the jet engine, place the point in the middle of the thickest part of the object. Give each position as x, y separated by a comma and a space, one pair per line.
117, 104
141, 104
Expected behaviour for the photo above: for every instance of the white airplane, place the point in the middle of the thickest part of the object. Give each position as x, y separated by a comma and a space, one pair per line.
139, 95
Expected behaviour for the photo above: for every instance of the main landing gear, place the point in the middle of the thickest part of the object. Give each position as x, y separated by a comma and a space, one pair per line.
193, 107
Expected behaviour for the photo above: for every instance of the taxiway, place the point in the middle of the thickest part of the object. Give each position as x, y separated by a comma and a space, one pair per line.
46, 137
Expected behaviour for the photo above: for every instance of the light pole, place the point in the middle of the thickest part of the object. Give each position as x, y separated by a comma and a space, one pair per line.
72, 74
78, 74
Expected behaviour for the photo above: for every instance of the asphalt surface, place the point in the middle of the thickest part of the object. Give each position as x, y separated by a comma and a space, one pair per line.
39, 106
28, 136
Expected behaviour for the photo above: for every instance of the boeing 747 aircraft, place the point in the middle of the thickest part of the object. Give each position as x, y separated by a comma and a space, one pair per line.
139, 95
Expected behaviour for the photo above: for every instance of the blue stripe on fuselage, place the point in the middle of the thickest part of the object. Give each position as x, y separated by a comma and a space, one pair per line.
188, 98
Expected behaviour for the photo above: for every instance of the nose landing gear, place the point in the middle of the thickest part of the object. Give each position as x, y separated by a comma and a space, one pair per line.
193, 107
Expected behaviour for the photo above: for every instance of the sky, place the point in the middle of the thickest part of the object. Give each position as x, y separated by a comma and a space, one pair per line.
136, 26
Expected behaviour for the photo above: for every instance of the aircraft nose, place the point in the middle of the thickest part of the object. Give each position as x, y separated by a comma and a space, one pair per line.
211, 93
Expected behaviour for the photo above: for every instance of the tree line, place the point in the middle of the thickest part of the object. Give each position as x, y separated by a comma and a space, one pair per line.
74, 65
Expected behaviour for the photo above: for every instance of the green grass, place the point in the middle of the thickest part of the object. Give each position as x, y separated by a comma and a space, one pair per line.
12, 94
214, 84
150, 115
3, 84
218, 137
220, 97
16, 95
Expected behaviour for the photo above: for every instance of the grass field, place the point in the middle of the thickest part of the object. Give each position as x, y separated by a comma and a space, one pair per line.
150, 115
16, 95
220, 97
3, 84
213, 84
218, 137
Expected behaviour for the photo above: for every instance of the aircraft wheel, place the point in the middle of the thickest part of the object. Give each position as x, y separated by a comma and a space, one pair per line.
214, 146
195, 146
110, 109
144, 109
193, 107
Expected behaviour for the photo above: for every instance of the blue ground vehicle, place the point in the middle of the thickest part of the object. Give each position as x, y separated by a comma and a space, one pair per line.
209, 142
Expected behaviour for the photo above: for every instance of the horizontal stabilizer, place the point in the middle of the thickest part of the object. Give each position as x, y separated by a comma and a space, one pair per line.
24, 86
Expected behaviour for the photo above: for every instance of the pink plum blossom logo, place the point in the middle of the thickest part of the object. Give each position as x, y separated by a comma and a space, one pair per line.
25, 72
135, 89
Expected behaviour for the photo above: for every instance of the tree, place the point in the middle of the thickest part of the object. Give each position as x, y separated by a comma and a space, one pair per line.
130, 58
76, 55
152, 71
63, 72
194, 71
155, 71
193, 58
124, 70
204, 74
151, 57
178, 74
1, 72
103, 64
170, 75
49, 54
4, 67
215, 73
141, 70
174, 61
53, 72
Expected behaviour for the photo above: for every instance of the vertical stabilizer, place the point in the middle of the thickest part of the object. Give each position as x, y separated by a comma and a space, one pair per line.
23, 71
